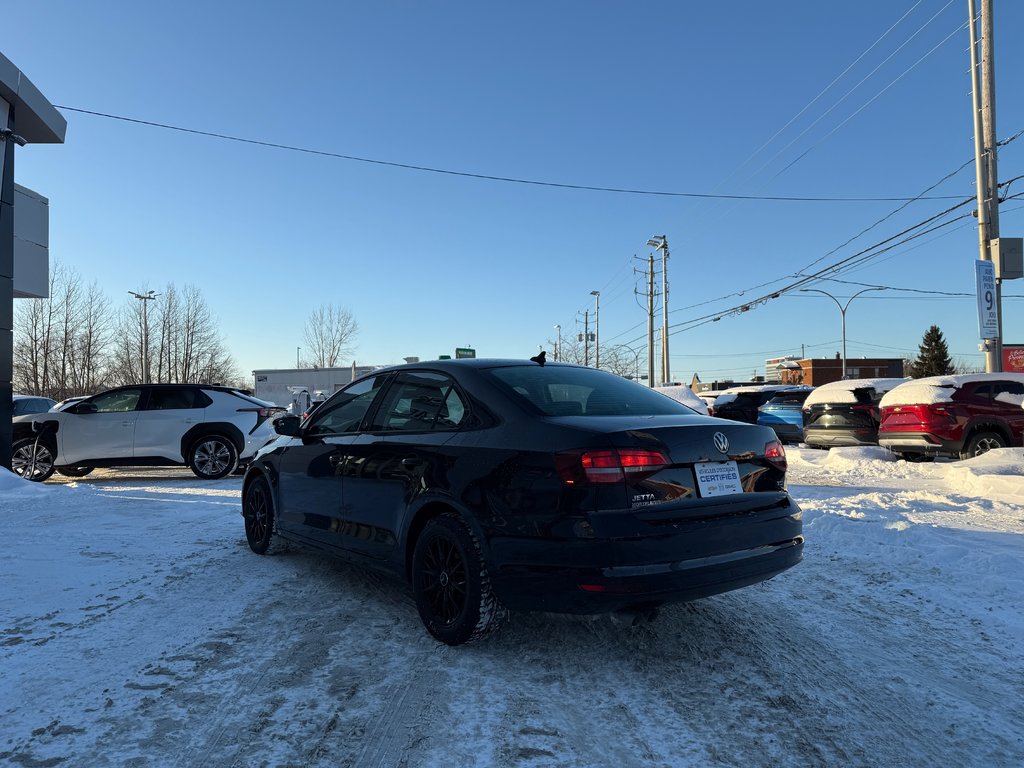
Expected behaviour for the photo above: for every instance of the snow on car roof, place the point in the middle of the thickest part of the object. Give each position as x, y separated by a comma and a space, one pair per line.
684, 395
842, 391
940, 389
761, 388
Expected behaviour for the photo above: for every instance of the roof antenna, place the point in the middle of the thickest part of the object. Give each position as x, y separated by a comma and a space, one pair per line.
540, 358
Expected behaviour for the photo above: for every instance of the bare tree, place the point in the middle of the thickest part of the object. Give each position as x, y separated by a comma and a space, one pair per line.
329, 333
617, 358
184, 341
61, 341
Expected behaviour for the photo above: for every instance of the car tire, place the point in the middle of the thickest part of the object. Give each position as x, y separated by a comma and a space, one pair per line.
213, 457
74, 471
24, 451
981, 442
258, 511
451, 584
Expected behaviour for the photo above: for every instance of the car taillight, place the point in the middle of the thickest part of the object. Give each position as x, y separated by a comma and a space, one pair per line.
775, 455
262, 414
608, 466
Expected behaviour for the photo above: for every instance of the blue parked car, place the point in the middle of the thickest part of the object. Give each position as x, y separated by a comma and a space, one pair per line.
784, 413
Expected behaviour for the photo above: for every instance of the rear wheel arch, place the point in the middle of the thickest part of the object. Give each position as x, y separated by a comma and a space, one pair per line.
206, 429
422, 516
988, 426
983, 438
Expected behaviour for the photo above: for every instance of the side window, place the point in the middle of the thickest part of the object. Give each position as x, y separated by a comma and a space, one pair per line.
1009, 392
344, 412
418, 402
982, 392
118, 401
172, 398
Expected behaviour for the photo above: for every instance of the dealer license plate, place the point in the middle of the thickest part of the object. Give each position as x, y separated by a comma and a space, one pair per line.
717, 478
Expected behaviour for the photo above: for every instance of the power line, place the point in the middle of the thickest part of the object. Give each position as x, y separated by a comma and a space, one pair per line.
489, 177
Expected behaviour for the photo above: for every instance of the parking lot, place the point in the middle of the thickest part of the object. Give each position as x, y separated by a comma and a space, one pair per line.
138, 629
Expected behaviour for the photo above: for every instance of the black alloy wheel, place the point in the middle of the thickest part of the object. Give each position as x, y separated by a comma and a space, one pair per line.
258, 511
213, 457
451, 585
32, 459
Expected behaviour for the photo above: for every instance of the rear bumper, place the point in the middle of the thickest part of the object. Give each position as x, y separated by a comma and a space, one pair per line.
836, 438
919, 442
675, 562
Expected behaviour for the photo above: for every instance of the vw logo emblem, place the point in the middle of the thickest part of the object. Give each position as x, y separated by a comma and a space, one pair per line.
721, 442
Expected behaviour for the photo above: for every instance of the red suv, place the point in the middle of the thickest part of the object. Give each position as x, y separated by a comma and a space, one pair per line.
959, 416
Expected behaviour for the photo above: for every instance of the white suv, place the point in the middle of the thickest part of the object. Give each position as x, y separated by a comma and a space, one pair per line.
211, 429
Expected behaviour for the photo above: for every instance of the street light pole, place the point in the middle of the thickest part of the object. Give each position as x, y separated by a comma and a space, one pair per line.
842, 311
558, 345
144, 297
297, 356
597, 328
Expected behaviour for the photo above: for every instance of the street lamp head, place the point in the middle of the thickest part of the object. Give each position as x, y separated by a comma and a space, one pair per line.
657, 241
595, 293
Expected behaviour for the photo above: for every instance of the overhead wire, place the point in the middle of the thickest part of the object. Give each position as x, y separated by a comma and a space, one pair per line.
484, 176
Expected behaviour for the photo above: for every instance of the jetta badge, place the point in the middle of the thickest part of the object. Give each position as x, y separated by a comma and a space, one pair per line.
721, 442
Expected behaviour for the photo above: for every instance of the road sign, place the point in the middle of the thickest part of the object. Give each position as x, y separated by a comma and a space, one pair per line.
988, 318
462, 352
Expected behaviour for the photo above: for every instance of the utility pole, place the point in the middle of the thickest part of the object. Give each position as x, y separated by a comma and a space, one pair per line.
650, 320
988, 120
145, 297
660, 243
597, 328
586, 337
983, 102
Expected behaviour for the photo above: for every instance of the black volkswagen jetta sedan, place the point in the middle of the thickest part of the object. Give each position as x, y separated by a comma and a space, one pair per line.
492, 485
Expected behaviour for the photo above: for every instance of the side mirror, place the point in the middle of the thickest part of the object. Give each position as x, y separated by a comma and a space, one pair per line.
287, 426
84, 408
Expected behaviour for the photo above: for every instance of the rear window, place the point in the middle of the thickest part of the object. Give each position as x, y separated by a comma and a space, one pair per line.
790, 398
570, 391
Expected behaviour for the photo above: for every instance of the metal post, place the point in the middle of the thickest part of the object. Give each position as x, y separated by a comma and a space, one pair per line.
6, 284
988, 122
297, 356
660, 243
586, 337
558, 343
842, 312
650, 320
597, 328
145, 297
666, 366
992, 361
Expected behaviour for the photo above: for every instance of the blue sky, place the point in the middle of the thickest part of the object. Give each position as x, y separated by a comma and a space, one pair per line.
654, 96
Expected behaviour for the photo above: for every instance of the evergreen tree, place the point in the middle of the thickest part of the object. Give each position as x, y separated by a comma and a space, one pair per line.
932, 356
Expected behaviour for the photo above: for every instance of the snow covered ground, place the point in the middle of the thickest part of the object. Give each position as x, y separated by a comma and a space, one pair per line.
136, 629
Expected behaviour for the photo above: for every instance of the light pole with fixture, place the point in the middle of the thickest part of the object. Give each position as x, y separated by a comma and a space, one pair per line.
145, 297
558, 343
660, 243
597, 328
842, 312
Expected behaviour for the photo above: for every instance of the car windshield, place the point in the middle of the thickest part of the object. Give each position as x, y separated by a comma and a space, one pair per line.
574, 391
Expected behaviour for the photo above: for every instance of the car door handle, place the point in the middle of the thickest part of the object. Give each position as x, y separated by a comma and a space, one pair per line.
126, 423
191, 421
